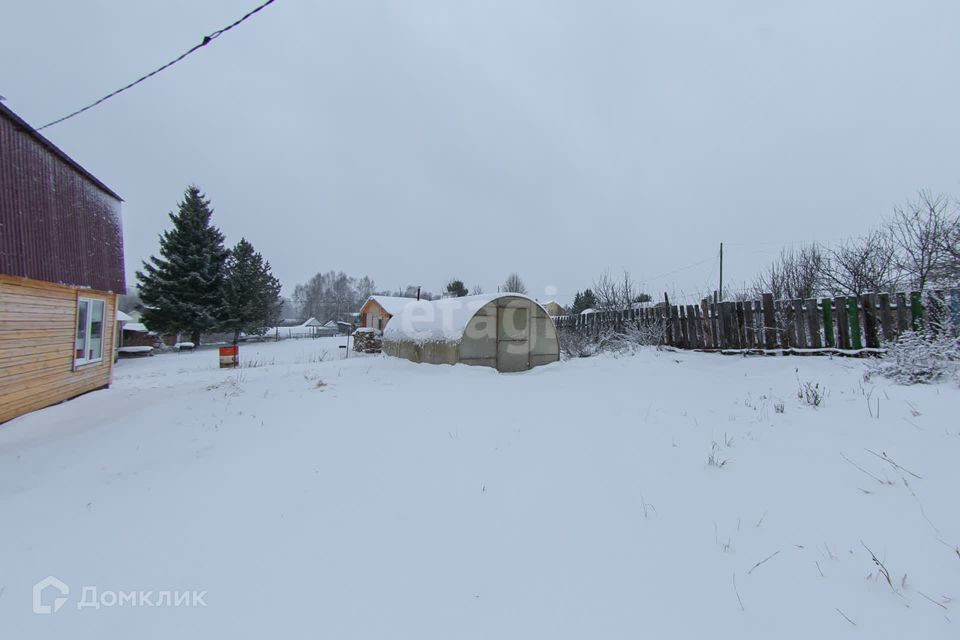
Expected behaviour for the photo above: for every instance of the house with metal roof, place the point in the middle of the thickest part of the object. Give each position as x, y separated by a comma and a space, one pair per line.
377, 310
61, 270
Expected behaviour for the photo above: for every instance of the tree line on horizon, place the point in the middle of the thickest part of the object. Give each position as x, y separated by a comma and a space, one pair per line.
332, 295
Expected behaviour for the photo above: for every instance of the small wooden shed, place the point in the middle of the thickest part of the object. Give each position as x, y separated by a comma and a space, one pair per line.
377, 310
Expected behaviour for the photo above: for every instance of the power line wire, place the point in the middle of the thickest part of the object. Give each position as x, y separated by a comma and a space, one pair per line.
206, 40
689, 266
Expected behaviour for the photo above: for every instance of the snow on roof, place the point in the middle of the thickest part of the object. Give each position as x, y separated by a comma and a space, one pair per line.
122, 317
442, 320
139, 327
392, 304
311, 322
143, 349
588, 311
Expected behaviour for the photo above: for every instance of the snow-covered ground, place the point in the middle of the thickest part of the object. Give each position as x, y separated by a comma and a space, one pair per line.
311, 496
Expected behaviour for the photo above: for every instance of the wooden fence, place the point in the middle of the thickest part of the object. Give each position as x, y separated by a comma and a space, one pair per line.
842, 324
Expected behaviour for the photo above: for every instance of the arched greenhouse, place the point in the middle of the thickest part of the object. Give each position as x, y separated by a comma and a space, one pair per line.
508, 331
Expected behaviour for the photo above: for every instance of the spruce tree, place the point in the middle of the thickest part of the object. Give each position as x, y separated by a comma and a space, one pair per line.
583, 301
456, 288
250, 292
577, 306
182, 290
589, 300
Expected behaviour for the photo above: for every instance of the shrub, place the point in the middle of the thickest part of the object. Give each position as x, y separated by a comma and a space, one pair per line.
627, 338
577, 344
918, 358
811, 393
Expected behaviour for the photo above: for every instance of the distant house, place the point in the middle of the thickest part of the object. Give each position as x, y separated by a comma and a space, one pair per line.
309, 328
136, 334
61, 269
336, 327
377, 310
120, 319
553, 308
323, 330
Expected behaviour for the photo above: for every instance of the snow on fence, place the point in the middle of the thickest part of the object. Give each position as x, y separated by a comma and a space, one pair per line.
842, 324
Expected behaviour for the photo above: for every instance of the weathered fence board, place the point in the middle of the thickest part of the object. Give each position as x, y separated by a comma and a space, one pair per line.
750, 322
798, 329
868, 302
704, 316
903, 315
846, 323
886, 317
813, 324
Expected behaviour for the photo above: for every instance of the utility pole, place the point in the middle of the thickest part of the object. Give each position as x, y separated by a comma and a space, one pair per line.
721, 271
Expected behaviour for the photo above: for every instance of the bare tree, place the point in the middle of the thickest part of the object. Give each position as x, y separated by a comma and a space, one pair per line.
328, 296
949, 273
129, 301
862, 266
921, 234
514, 284
952, 271
796, 273
477, 290
616, 294
365, 288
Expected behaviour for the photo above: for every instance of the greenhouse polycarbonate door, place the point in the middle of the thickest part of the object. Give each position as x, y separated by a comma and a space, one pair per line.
513, 338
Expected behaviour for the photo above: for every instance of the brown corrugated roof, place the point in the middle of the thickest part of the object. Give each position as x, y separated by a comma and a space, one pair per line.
21, 124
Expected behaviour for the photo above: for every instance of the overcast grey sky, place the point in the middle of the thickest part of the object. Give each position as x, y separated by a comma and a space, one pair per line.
418, 141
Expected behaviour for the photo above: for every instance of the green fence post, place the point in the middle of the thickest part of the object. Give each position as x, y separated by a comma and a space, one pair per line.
916, 309
828, 335
853, 310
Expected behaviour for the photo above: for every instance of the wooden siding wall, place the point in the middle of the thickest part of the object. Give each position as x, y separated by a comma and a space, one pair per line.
843, 324
371, 312
37, 324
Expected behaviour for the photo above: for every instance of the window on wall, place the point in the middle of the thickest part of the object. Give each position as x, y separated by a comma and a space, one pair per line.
88, 346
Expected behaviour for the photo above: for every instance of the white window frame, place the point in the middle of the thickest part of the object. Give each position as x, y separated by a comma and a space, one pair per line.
80, 362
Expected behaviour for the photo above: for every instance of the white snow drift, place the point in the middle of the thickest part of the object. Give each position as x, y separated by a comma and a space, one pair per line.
658, 496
